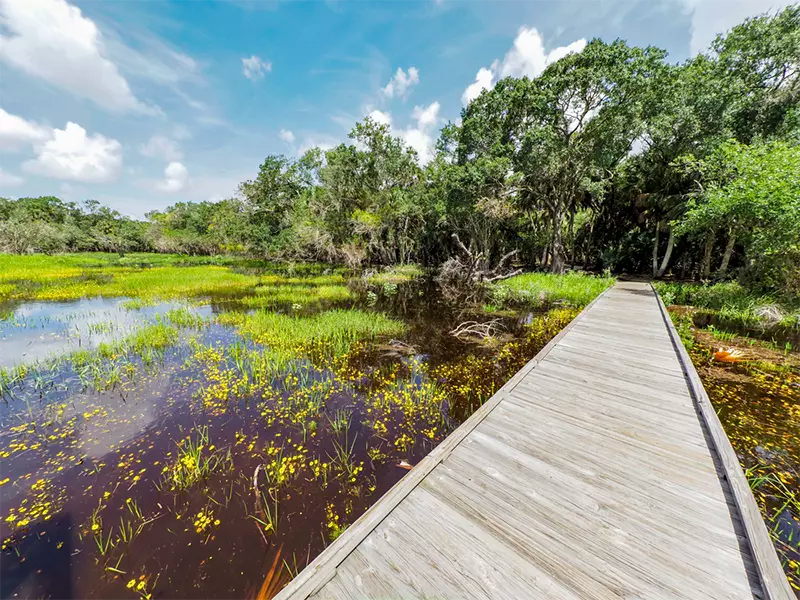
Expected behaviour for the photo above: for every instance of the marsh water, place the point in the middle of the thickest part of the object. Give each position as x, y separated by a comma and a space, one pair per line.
757, 397
208, 465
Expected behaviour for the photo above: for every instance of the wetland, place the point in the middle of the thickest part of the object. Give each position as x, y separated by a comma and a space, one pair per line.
169, 427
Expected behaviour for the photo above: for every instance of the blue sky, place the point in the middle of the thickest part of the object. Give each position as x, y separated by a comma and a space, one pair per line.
143, 104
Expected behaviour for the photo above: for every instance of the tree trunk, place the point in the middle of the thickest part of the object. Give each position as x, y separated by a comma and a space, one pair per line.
572, 238
707, 255
588, 246
557, 253
668, 253
557, 265
544, 257
655, 250
726, 258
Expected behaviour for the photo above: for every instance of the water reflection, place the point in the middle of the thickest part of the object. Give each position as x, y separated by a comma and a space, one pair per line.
37, 331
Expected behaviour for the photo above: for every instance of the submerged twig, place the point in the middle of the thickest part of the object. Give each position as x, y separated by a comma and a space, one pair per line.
484, 330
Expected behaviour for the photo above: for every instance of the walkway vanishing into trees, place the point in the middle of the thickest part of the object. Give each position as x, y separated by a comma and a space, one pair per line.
600, 470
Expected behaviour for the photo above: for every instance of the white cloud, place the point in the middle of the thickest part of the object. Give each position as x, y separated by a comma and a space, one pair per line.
52, 40
16, 132
152, 59
9, 180
527, 58
71, 154
176, 178
421, 138
323, 142
254, 68
484, 80
160, 146
380, 117
426, 117
402, 82
287, 136
710, 17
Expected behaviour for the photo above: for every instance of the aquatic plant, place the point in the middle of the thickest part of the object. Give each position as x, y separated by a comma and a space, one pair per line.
298, 292
185, 318
395, 274
275, 578
196, 460
535, 289
157, 336
331, 332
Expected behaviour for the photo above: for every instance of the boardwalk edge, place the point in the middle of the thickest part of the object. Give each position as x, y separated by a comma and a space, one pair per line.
774, 583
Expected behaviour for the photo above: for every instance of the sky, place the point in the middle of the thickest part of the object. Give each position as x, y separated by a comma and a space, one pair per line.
143, 104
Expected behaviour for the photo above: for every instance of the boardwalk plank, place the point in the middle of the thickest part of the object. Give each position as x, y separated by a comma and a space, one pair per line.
593, 473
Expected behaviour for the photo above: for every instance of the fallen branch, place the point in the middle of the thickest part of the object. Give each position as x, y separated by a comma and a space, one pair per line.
484, 330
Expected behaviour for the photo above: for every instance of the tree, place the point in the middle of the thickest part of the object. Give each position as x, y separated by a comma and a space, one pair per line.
753, 193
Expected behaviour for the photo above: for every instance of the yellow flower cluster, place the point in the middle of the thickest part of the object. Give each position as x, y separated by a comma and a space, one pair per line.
204, 519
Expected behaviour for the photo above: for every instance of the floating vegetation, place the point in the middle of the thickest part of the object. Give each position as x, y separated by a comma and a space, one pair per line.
210, 440
196, 460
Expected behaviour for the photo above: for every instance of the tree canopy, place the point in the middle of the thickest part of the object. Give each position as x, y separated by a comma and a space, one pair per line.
613, 158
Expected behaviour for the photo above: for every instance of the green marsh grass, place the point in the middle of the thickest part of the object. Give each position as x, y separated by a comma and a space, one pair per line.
275, 290
574, 289
332, 331
732, 303
69, 277
197, 459
184, 318
396, 274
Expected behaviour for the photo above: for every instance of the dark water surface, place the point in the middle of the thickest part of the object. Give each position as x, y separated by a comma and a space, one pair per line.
178, 476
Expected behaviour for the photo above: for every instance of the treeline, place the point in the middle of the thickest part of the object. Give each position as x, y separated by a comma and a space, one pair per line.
613, 159
48, 224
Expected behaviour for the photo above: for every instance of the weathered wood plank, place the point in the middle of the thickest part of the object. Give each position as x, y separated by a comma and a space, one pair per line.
595, 472
773, 581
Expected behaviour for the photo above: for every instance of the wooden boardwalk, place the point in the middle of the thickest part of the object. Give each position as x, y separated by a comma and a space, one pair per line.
598, 471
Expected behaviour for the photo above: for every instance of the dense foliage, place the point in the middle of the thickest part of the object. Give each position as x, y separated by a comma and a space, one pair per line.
613, 158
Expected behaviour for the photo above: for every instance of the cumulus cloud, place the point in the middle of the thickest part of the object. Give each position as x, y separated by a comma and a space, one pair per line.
400, 85
254, 68
527, 58
710, 17
322, 141
54, 41
160, 146
9, 180
484, 80
422, 137
16, 132
176, 178
380, 117
287, 136
73, 155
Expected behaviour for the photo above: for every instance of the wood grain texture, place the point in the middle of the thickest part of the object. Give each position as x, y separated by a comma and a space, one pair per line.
595, 472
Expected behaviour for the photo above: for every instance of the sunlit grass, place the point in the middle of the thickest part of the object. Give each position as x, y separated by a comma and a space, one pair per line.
334, 330
575, 289
185, 318
732, 303
396, 274
275, 290
157, 336
197, 460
